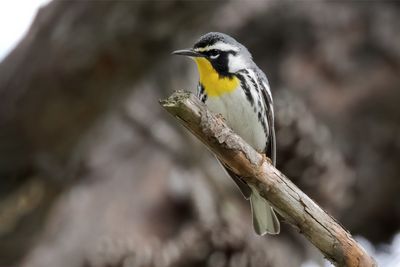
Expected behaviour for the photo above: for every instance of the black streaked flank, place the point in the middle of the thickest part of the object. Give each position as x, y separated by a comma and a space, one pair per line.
245, 88
253, 82
201, 93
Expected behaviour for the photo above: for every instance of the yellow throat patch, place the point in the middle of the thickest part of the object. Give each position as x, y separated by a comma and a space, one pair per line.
214, 85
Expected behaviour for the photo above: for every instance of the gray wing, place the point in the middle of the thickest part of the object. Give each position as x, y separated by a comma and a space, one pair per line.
269, 105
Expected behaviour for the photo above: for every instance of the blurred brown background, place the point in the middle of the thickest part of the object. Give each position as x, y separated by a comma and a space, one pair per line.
94, 173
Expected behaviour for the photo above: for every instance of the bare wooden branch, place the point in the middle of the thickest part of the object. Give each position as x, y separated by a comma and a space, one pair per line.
336, 244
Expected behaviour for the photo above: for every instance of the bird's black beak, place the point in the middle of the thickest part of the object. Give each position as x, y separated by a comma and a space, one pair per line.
188, 53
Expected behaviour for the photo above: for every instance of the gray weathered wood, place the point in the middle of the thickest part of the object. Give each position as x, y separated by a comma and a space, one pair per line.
336, 244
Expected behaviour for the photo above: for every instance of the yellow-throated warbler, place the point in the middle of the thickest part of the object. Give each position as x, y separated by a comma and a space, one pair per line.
231, 84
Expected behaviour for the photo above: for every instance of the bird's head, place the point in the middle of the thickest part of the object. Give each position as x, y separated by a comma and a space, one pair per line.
221, 52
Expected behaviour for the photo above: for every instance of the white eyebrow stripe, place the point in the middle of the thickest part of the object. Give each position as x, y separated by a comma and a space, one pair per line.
218, 46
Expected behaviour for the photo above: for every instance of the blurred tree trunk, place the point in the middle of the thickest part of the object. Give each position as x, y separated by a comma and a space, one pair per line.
82, 135
77, 60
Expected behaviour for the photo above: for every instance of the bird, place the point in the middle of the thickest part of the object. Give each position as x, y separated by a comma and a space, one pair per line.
231, 84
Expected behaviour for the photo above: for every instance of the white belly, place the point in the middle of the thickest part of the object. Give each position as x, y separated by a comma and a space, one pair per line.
240, 116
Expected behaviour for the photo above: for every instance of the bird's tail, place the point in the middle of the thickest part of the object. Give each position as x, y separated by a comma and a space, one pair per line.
264, 218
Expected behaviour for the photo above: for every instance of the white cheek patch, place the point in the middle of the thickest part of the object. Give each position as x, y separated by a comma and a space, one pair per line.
218, 46
236, 63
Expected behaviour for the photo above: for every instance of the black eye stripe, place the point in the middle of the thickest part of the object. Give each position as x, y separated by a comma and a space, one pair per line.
214, 52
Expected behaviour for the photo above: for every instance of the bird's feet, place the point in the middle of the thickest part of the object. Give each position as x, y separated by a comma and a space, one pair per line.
265, 158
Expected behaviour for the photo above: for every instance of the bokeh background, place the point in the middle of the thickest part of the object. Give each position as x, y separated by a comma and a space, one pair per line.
94, 173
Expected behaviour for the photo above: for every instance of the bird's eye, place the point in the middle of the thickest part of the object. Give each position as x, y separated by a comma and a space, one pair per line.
214, 54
